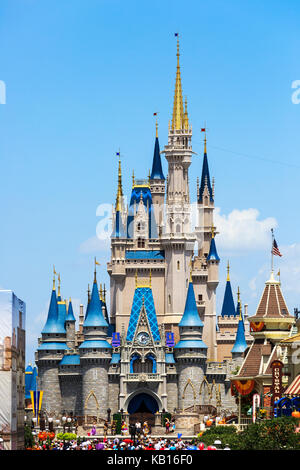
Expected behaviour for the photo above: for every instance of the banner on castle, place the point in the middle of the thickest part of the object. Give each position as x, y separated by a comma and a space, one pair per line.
116, 341
170, 342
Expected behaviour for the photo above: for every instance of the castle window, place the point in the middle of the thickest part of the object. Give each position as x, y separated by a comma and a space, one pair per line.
199, 297
169, 299
141, 243
178, 265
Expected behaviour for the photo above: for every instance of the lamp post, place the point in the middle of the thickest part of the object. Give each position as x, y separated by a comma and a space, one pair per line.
108, 414
218, 444
64, 419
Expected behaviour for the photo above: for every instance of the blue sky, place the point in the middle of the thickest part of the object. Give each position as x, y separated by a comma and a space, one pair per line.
83, 80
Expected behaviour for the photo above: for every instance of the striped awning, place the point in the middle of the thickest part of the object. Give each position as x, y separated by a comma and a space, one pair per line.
294, 387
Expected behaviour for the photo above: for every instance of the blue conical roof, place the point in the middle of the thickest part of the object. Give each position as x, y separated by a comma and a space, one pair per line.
190, 316
213, 254
205, 179
157, 172
62, 313
70, 316
228, 308
28, 377
240, 344
52, 324
94, 315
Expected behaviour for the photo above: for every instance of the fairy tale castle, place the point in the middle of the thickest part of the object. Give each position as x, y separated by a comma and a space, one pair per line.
161, 347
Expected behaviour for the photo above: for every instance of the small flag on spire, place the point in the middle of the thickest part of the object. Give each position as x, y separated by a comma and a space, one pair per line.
118, 153
154, 114
203, 129
275, 250
176, 34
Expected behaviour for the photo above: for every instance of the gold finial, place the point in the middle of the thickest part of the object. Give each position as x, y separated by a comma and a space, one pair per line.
101, 293
212, 231
133, 180
228, 268
54, 273
120, 190
89, 293
58, 287
205, 151
149, 176
150, 278
178, 117
104, 294
95, 272
136, 278
239, 304
156, 129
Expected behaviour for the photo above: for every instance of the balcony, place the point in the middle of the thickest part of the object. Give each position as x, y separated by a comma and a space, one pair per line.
143, 377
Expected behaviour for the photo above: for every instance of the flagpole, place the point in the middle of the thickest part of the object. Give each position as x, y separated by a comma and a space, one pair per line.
272, 255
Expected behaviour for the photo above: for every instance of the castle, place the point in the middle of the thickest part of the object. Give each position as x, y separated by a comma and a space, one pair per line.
161, 347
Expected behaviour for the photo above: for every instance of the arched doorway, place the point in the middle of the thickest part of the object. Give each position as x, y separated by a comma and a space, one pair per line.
142, 407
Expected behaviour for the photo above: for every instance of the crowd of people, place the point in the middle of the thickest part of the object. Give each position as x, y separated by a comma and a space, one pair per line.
143, 443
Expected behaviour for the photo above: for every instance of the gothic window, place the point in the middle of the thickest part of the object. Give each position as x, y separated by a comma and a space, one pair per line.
178, 265
139, 366
199, 297
177, 228
141, 243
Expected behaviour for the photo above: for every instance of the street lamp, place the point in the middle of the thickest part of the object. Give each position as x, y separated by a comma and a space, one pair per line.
108, 414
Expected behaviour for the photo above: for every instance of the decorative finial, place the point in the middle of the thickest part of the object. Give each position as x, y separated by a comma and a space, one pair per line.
136, 278
101, 293
156, 125
89, 293
238, 295
150, 278
228, 268
133, 181
104, 294
120, 190
95, 272
58, 287
54, 273
205, 151
212, 231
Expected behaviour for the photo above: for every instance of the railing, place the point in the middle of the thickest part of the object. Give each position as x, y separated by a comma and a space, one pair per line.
142, 377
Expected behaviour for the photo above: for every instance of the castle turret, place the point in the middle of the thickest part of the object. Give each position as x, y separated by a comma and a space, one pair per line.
240, 344
95, 356
49, 353
70, 326
177, 240
209, 331
157, 183
190, 352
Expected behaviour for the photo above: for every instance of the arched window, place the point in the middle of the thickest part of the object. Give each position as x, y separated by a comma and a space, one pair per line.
178, 265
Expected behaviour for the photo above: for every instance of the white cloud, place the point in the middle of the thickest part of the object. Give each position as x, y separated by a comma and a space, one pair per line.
241, 230
94, 244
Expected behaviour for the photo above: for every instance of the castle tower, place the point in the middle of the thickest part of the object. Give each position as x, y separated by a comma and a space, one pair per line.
70, 326
209, 330
49, 354
95, 356
240, 344
157, 185
177, 239
190, 353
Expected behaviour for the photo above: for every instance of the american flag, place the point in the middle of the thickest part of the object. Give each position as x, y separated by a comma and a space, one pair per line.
275, 250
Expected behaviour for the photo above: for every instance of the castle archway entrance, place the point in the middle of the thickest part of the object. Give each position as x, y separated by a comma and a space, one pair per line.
142, 407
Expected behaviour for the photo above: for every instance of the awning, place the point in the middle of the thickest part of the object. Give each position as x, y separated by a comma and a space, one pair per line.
294, 387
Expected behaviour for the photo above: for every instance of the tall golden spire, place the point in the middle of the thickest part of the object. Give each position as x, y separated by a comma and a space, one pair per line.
178, 116
239, 303
53, 288
120, 190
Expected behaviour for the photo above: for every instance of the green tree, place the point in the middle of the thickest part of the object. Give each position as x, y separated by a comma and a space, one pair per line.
226, 434
273, 434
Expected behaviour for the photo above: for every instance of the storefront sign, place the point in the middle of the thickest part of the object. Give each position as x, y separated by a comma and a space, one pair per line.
276, 388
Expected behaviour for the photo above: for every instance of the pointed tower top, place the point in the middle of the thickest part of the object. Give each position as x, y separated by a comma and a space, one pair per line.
156, 172
228, 307
94, 316
190, 315
213, 254
120, 190
178, 117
